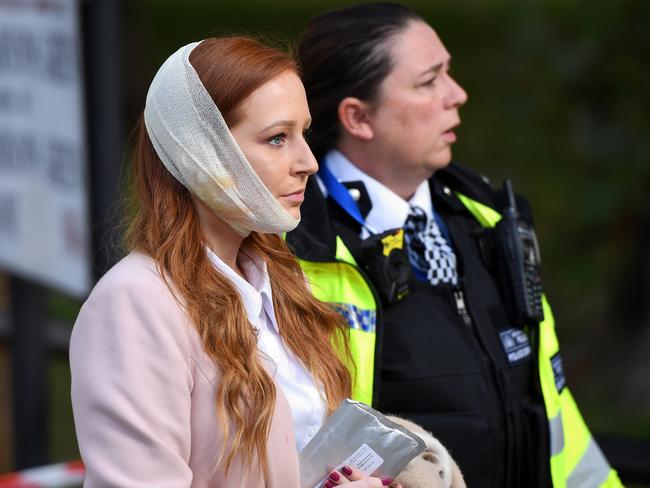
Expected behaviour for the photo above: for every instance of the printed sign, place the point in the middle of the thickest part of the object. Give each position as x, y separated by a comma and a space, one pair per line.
44, 222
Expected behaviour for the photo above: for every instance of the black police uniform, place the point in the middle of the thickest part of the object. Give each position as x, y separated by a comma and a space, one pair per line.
435, 365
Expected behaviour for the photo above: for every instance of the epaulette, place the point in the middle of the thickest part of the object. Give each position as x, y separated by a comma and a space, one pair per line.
478, 187
470, 183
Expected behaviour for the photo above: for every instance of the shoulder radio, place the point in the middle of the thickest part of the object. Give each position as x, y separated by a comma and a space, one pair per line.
518, 257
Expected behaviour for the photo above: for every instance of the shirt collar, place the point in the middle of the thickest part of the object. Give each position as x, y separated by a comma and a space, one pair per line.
389, 210
255, 290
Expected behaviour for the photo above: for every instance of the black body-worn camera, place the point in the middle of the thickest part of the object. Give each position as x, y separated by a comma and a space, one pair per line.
387, 264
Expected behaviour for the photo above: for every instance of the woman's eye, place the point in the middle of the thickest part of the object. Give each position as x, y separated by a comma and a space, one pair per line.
277, 139
430, 82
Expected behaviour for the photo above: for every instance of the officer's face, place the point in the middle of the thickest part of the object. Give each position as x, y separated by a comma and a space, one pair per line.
417, 109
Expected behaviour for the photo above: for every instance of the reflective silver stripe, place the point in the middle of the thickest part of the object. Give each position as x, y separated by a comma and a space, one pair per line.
356, 317
591, 471
557, 434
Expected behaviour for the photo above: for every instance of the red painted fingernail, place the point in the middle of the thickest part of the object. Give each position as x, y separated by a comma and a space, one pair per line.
335, 476
347, 470
386, 481
329, 484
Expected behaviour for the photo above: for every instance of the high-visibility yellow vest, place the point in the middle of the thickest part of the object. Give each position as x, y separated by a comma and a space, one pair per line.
576, 461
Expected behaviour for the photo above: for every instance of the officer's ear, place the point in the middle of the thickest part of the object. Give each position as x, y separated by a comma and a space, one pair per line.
354, 117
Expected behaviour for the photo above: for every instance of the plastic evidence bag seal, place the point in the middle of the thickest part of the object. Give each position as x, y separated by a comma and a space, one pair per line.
358, 436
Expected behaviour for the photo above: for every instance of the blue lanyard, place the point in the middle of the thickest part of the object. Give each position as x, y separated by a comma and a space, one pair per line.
340, 193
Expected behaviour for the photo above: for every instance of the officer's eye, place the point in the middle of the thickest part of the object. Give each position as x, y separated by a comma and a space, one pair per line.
429, 82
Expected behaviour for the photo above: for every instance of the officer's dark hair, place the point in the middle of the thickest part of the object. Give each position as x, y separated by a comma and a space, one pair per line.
345, 53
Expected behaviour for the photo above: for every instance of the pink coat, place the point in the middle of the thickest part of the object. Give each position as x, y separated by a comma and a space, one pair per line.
143, 393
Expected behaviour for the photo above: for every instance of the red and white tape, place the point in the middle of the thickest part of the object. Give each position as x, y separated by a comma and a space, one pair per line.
62, 475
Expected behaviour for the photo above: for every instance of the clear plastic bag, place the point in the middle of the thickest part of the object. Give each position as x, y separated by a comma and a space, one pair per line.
360, 437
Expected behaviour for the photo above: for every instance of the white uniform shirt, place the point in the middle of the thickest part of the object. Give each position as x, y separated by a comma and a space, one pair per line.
307, 404
389, 210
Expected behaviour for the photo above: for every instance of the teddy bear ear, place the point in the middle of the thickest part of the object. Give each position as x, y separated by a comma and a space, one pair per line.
428, 455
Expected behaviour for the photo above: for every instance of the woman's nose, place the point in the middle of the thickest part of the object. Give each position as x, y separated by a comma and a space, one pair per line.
457, 96
306, 162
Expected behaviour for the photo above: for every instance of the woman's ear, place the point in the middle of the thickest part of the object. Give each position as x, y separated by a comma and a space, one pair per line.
354, 117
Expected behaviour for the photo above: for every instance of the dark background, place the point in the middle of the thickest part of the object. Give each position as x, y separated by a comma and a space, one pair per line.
559, 99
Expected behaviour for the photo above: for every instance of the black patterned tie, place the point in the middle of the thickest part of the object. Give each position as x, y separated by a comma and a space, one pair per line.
429, 251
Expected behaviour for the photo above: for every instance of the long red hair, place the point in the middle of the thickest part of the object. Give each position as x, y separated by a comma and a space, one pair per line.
164, 225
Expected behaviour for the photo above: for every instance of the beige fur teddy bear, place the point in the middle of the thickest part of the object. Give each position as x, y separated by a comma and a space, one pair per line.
433, 468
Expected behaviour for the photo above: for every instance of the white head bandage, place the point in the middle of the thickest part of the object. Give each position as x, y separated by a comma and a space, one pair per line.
194, 143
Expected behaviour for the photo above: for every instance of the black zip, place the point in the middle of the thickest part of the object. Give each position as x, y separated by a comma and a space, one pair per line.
464, 310
503, 397
461, 307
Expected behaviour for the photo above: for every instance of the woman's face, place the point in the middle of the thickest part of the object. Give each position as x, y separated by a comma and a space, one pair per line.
270, 132
417, 108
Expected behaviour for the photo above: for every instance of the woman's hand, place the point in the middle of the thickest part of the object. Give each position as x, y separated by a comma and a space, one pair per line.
351, 478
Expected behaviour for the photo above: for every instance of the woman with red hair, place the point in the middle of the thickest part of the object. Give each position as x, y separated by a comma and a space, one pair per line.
201, 359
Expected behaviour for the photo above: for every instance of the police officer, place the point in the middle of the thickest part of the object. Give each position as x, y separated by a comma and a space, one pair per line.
434, 333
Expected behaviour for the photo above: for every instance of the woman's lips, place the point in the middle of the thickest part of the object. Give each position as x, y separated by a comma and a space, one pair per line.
449, 136
295, 197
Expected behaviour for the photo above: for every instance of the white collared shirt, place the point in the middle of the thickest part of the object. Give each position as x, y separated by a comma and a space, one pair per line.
307, 404
389, 210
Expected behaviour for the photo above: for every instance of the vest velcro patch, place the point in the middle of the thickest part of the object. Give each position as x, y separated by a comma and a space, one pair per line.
515, 344
558, 372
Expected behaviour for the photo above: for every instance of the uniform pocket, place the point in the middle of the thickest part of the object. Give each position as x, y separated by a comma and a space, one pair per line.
536, 465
